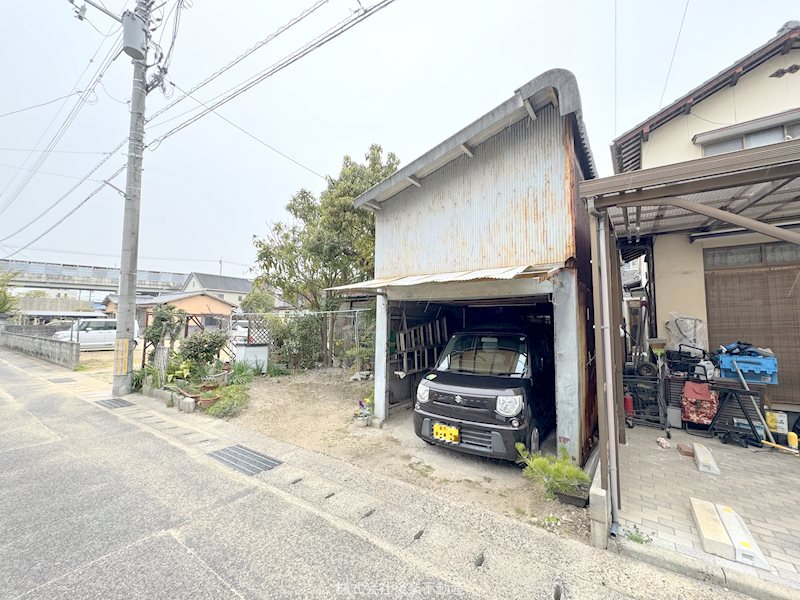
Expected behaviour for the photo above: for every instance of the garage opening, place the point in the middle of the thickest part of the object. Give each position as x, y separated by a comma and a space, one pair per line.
467, 353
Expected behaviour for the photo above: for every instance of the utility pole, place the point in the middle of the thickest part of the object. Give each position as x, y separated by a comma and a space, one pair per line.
135, 36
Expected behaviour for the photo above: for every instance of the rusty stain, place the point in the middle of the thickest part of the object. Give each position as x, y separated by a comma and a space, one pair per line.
508, 205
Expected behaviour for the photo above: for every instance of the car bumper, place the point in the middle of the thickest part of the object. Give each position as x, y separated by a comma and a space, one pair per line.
483, 439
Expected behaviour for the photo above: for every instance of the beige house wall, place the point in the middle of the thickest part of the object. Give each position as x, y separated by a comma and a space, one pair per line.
755, 95
680, 274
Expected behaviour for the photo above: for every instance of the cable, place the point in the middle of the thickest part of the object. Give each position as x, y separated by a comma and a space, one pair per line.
125, 102
242, 56
109, 255
85, 178
68, 215
109, 34
250, 135
51, 151
50, 124
315, 44
14, 112
47, 172
674, 50
64, 126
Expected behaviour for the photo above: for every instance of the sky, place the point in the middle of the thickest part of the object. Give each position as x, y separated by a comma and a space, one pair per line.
406, 78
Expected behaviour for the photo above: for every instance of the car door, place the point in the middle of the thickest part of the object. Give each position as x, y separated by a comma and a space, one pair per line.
109, 333
92, 335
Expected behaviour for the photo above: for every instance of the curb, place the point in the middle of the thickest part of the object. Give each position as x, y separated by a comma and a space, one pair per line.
703, 571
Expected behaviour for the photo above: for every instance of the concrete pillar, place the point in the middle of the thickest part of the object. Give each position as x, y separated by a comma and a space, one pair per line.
569, 363
381, 354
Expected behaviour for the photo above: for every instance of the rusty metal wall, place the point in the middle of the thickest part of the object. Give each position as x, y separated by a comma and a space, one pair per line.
509, 205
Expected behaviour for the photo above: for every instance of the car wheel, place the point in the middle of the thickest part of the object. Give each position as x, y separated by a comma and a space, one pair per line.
533, 439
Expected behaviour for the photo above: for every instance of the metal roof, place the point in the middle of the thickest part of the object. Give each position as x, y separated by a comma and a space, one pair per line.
221, 283
759, 184
626, 149
557, 87
503, 273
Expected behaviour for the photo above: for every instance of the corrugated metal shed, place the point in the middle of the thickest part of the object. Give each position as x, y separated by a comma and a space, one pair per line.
507, 205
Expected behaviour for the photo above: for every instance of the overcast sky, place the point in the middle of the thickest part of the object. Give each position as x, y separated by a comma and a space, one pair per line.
406, 78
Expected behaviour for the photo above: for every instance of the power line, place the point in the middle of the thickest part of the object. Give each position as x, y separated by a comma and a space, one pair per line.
14, 112
674, 51
288, 25
108, 255
51, 151
83, 179
315, 44
254, 137
105, 64
50, 124
66, 216
47, 172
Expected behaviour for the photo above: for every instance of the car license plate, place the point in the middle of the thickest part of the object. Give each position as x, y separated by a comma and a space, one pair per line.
445, 433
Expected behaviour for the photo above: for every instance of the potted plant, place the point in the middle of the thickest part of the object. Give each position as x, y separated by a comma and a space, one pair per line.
562, 478
363, 414
207, 398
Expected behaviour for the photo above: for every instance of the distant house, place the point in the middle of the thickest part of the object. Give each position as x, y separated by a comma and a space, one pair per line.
230, 289
207, 307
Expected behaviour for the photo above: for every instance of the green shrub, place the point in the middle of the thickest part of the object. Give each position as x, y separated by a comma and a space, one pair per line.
276, 369
241, 373
233, 400
296, 341
137, 378
202, 347
558, 474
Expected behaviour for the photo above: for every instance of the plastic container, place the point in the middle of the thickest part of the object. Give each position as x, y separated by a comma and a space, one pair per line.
755, 369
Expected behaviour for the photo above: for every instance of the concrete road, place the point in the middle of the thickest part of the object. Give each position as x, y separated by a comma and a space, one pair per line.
100, 502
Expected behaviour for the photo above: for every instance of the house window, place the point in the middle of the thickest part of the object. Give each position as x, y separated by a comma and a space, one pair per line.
240, 298
763, 138
773, 135
722, 147
221, 296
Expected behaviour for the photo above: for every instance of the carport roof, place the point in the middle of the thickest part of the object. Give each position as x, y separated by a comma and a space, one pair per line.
727, 193
502, 273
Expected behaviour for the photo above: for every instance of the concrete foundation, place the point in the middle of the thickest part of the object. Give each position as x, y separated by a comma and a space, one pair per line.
66, 354
599, 512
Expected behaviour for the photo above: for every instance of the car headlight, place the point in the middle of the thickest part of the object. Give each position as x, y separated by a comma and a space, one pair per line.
509, 406
423, 391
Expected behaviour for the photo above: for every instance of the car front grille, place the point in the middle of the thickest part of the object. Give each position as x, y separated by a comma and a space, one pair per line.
480, 438
464, 400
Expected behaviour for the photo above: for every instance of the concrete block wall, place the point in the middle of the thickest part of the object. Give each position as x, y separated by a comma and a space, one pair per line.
66, 354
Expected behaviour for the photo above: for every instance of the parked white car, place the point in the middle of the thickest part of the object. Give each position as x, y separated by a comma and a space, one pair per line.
93, 334
239, 331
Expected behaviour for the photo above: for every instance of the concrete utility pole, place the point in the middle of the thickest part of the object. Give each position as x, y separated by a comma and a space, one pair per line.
137, 25
135, 37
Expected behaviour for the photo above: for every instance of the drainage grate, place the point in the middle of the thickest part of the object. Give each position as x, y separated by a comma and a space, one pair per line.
244, 459
114, 403
61, 380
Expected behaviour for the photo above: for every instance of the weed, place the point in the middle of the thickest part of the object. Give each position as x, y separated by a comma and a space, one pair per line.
242, 373
233, 400
558, 474
638, 536
520, 511
276, 369
80, 368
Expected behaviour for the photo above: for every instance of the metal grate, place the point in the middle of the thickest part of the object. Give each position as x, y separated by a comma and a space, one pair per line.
114, 403
244, 459
61, 380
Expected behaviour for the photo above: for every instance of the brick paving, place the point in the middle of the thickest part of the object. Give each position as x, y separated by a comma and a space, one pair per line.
762, 486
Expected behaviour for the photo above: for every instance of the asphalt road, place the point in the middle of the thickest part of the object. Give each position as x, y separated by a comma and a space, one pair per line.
108, 503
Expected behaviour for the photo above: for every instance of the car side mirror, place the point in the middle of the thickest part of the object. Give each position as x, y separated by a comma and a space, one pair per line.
88, 329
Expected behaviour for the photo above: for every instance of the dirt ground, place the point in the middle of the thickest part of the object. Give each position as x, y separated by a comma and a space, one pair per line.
99, 364
314, 410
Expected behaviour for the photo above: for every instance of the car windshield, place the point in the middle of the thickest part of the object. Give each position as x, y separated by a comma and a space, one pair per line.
485, 354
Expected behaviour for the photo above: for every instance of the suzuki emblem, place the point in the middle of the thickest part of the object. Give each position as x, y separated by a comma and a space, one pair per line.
458, 399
